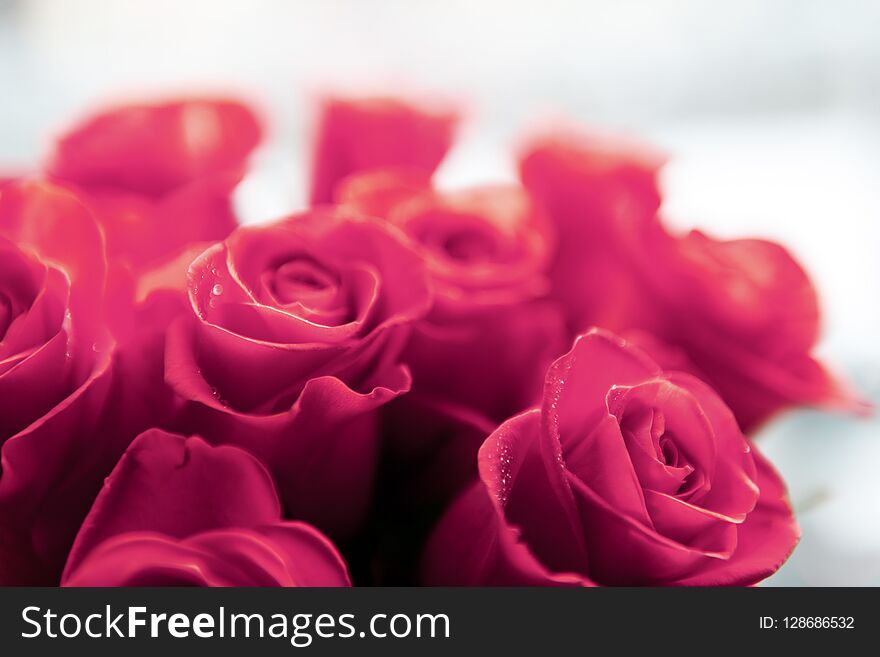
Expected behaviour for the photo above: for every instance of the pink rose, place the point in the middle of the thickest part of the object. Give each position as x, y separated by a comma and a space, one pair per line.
626, 475
355, 135
159, 176
479, 355
743, 316
58, 426
292, 344
740, 314
176, 511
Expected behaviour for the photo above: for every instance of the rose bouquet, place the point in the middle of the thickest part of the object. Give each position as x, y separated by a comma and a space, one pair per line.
531, 384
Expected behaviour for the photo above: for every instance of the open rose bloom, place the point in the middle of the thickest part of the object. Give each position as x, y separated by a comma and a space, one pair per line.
527, 384
626, 475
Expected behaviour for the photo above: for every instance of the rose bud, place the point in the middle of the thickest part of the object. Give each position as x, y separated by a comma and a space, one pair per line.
159, 176
177, 511
355, 135
59, 435
626, 475
292, 344
740, 314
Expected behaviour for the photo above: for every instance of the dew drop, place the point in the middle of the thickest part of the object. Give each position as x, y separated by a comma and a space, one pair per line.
504, 469
216, 395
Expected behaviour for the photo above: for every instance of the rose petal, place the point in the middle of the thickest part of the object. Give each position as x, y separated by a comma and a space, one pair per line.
283, 554
692, 525
625, 552
154, 148
146, 232
734, 492
577, 383
599, 191
26, 393
34, 317
323, 448
764, 540
62, 230
515, 476
492, 361
377, 192
601, 458
473, 546
177, 486
48, 480
370, 133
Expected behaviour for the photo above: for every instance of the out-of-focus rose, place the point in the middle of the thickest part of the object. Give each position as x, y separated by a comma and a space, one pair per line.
743, 316
626, 475
293, 343
58, 438
486, 250
159, 176
480, 354
355, 135
597, 191
740, 314
177, 511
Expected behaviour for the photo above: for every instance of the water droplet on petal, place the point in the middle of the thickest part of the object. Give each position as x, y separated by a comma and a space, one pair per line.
220, 400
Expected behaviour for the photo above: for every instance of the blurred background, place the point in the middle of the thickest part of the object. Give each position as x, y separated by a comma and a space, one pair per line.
770, 110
